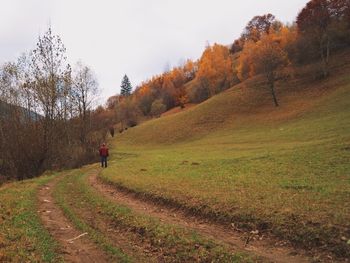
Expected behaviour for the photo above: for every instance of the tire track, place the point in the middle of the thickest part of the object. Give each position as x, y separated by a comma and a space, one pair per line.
74, 245
265, 248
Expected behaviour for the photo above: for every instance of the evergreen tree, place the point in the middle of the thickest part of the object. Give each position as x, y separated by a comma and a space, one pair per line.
125, 87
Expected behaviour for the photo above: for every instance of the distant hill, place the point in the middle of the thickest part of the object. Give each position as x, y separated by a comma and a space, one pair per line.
5, 110
248, 103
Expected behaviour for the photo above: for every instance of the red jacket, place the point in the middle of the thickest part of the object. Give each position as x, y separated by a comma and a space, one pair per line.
104, 151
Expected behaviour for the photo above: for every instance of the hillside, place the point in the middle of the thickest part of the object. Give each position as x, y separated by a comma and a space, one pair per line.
246, 104
233, 179
229, 153
7, 109
237, 158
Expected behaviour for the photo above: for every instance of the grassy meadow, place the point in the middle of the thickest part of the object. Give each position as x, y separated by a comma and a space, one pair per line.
22, 236
236, 158
91, 212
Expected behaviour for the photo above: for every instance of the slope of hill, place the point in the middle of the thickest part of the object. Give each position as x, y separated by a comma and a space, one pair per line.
233, 179
237, 158
244, 105
6, 109
178, 109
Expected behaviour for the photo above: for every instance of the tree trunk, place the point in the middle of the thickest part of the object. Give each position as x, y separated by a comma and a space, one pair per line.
272, 88
325, 55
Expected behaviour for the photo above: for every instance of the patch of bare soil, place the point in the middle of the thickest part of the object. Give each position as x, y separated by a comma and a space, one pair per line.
75, 245
253, 242
120, 237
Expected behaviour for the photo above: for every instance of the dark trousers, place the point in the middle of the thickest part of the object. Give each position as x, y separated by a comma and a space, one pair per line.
104, 161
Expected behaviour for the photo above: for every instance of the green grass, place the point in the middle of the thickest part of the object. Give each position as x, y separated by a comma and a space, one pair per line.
234, 158
63, 200
22, 237
175, 243
237, 158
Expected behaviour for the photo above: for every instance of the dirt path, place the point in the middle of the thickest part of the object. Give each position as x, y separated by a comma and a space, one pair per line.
265, 248
75, 245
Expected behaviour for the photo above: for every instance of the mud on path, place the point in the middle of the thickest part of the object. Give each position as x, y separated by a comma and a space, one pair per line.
75, 246
265, 248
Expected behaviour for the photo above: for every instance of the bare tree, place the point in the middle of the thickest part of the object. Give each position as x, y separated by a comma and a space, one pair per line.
49, 69
84, 91
45, 112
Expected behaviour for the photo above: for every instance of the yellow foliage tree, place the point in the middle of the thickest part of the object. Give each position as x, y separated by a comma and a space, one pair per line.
263, 57
215, 68
244, 66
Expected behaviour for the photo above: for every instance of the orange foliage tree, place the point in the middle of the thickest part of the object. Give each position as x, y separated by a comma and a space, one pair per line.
215, 70
263, 57
326, 24
258, 26
168, 87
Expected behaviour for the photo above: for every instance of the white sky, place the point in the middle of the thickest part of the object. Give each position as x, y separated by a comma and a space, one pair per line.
134, 37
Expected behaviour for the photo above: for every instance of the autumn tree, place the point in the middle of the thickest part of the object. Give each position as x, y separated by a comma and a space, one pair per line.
8, 116
325, 24
237, 45
340, 26
125, 87
157, 108
20, 127
50, 69
173, 91
258, 26
45, 112
26, 84
263, 57
8, 88
169, 87
168, 91
144, 96
127, 112
180, 77
244, 66
84, 90
215, 69
112, 102
287, 37
314, 21
190, 69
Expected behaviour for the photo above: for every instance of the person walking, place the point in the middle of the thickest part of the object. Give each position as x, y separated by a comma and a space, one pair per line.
104, 154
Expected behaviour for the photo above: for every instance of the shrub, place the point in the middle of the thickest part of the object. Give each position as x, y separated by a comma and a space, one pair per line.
157, 108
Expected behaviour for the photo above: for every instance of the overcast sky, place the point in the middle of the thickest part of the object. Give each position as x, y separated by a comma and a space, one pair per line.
134, 37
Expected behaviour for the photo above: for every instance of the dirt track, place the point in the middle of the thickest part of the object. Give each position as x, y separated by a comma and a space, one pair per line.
75, 245
266, 248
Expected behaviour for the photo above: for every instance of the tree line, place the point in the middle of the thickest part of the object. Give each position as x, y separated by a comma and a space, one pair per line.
266, 47
46, 117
